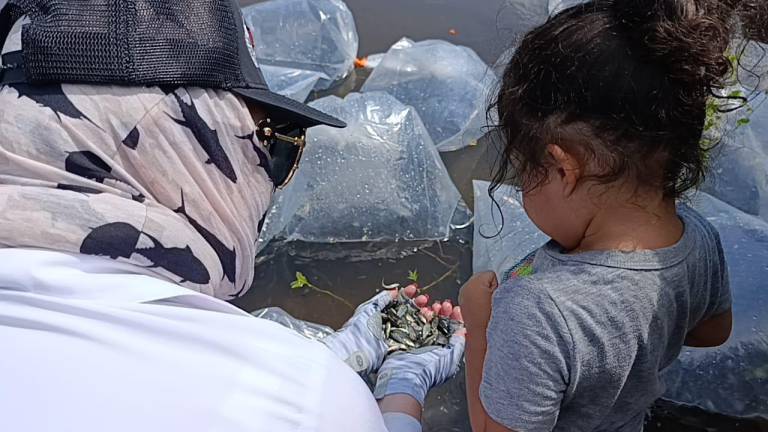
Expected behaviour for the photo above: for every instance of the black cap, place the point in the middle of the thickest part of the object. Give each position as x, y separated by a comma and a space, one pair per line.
200, 43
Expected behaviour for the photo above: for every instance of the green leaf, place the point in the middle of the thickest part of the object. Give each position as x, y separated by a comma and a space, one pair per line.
742, 122
300, 282
413, 275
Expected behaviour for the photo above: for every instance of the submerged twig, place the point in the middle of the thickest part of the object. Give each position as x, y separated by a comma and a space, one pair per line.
332, 295
437, 258
442, 278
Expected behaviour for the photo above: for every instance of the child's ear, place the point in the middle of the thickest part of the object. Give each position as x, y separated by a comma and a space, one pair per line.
567, 168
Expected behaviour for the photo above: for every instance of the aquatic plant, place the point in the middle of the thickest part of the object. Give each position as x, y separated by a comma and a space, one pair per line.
302, 281
413, 276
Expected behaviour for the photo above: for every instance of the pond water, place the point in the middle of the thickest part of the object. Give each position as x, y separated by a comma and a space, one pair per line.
355, 272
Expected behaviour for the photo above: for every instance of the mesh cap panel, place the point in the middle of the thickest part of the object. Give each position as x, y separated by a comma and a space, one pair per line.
132, 41
197, 43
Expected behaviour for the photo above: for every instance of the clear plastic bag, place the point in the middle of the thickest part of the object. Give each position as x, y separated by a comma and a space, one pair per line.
732, 379
380, 179
295, 83
503, 235
557, 6
307, 329
448, 85
309, 35
739, 174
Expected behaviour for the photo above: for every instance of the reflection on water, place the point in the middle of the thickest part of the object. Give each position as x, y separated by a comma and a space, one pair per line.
479, 24
356, 271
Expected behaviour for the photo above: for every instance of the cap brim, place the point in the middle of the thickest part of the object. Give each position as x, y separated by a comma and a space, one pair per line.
285, 109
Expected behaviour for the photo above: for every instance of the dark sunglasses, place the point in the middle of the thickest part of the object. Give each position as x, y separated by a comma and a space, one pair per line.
285, 145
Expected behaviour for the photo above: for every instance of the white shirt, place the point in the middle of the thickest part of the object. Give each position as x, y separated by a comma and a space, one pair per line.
89, 345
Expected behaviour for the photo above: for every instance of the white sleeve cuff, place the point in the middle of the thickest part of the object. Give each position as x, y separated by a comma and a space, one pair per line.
400, 422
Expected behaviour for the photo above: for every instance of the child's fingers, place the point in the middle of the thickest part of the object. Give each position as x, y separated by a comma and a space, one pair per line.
488, 280
494, 282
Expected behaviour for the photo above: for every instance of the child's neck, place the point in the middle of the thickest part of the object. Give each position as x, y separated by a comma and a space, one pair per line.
639, 223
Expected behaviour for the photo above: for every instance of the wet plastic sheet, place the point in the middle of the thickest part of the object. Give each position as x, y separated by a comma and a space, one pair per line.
295, 83
307, 329
557, 6
380, 179
449, 86
732, 379
740, 164
309, 35
503, 235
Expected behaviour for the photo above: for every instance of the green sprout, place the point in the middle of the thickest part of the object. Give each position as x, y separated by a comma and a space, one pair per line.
300, 282
303, 282
715, 118
413, 276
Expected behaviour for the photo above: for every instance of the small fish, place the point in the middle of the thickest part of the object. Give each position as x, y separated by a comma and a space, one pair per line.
406, 328
390, 286
443, 325
402, 310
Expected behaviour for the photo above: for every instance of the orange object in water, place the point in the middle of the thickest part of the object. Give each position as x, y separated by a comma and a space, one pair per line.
453, 32
361, 63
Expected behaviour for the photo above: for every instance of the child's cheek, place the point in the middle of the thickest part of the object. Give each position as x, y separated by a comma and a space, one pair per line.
550, 213
542, 208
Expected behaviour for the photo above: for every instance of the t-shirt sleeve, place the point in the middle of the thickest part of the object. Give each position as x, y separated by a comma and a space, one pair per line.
721, 300
526, 371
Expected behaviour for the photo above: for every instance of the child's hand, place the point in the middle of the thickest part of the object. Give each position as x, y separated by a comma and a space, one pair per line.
475, 300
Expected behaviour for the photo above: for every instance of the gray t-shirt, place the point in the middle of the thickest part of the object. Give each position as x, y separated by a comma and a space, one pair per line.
577, 342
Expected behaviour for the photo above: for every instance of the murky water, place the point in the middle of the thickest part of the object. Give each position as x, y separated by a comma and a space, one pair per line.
356, 271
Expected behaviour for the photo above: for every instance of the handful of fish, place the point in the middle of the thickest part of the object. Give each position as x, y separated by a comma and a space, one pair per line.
406, 329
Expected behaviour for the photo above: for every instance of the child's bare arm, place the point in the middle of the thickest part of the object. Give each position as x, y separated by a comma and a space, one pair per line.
711, 332
475, 300
475, 357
